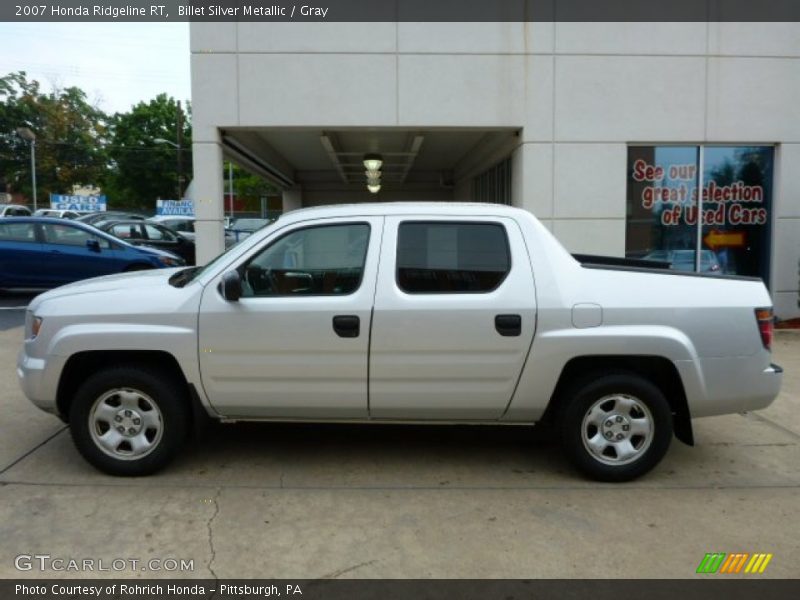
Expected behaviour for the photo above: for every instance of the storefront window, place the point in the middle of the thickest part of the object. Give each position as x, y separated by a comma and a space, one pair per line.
662, 207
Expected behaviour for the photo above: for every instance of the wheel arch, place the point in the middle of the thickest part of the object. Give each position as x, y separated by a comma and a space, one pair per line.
657, 369
81, 364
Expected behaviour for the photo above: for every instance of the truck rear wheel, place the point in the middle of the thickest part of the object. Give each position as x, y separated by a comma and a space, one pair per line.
129, 420
616, 427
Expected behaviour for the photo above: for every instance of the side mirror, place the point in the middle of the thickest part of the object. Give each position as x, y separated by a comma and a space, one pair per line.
93, 245
231, 286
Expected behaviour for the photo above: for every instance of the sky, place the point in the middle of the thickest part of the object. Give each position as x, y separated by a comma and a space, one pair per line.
116, 64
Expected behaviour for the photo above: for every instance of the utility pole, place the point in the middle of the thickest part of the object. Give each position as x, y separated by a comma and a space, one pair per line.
26, 134
180, 151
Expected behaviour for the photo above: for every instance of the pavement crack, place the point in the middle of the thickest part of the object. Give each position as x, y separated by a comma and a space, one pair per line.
209, 527
32, 450
336, 574
771, 423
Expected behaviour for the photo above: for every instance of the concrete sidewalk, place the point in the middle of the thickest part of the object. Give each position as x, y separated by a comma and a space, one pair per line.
343, 501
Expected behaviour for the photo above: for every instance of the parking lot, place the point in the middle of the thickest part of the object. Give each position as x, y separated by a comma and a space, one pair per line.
320, 501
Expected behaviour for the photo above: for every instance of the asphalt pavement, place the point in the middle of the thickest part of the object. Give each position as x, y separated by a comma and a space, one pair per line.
12, 308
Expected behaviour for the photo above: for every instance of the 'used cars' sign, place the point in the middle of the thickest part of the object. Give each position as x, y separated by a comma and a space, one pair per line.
78, 203
184, 208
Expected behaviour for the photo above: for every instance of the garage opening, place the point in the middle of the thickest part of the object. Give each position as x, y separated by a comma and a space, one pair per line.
313, 167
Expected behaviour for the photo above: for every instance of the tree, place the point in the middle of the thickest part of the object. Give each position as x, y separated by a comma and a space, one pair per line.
70, 137
143, 169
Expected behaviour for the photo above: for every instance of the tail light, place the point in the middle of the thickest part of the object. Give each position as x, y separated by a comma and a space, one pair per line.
765, 321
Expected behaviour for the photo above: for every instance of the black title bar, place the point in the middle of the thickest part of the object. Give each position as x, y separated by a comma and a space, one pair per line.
401, 10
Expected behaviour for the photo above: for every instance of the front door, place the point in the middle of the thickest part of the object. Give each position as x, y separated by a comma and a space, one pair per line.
454, 318
296, 344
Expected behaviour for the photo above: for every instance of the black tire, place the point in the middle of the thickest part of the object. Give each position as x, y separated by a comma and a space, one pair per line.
579, 430
145, 387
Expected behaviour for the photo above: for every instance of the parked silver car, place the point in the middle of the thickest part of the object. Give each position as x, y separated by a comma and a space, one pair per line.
434, 313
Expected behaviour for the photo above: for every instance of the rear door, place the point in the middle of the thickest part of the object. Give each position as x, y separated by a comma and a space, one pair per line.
454, 317
20, 254
295, 344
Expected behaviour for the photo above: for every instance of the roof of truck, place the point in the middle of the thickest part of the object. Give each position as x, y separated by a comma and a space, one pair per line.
403, 208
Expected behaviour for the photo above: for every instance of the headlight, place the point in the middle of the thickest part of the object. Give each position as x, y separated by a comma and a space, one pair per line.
168, 261
33, 325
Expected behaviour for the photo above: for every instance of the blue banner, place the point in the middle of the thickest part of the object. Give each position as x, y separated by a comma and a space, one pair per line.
184, 208
78, 203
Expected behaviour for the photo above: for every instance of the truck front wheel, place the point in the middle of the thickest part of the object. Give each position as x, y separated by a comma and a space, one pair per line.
129, 420
616, 427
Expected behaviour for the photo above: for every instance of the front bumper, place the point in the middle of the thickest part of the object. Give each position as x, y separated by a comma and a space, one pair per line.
38, 378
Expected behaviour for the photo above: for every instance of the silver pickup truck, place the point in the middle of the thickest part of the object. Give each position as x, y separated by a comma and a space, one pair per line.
413, 313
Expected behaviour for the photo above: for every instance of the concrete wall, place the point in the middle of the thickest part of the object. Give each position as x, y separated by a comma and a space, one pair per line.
580, 92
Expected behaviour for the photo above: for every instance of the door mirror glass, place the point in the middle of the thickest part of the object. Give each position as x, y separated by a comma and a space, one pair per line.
231, 286
93, 245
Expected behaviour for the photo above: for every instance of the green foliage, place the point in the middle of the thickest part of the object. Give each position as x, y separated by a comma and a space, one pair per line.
79, 145
70, 134
142, 169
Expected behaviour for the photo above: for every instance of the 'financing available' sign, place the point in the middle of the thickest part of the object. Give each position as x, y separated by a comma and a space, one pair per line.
183, 208
78, 203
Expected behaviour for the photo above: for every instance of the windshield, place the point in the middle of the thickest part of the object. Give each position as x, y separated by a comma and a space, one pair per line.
189, 274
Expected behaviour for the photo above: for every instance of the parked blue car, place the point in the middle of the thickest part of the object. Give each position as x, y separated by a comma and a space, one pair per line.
47, 252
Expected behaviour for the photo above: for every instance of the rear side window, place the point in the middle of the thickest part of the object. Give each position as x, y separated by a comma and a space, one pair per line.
451, 258
17, 232
70, 236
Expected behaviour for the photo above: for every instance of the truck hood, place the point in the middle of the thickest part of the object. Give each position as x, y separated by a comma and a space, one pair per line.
128, 282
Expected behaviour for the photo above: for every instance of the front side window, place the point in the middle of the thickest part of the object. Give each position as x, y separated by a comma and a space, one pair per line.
158, 234
447, 258
314, 261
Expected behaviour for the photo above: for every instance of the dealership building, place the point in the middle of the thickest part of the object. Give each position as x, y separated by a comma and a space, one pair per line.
617, 136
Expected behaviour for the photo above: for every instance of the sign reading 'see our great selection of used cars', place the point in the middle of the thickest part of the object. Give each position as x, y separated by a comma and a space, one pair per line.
720, 199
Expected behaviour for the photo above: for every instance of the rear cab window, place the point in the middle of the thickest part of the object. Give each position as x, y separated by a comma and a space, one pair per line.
443, 257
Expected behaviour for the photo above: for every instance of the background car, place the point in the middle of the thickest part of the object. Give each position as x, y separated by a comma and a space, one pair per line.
58, 214
182, 225
14, 210
110, 215
147, 233
683, 260
244, 227
42, 252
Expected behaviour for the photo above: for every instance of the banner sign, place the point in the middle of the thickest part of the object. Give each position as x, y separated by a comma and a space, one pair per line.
183, 208
78, 203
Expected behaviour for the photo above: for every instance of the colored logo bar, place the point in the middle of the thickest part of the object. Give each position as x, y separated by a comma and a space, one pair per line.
737, 562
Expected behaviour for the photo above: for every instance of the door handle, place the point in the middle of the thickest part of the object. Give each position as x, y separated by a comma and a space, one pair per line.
347, 326
508, 325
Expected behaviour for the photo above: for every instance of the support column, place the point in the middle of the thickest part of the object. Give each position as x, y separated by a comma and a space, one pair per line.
292, 199
208, 200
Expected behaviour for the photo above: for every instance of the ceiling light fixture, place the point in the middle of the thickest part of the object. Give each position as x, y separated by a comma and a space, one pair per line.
373, 162
374, 189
